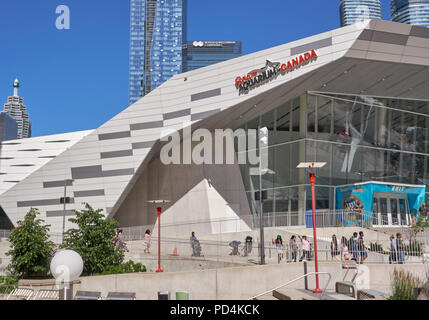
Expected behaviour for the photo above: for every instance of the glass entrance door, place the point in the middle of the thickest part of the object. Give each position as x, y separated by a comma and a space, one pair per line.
393, 214
403, 212
384, 220
390, 209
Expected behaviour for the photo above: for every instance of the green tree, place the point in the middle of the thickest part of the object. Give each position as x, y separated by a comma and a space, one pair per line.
93, 240
31, 249
419, 226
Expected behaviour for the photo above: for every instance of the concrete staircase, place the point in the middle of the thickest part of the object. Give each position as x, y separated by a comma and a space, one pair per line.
181, 262
302, 294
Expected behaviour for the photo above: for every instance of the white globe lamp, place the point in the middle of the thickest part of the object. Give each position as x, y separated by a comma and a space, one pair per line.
66, 267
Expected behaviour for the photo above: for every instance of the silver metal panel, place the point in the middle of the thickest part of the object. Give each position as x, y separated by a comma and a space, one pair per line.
311, 46
143, 145
420, 32
87, 172
203, 115
120, 172
89, 193
39, 203
177, 114
57, 184
206, 94
146, 125
59, 213
387, 37
114, 135
116, 154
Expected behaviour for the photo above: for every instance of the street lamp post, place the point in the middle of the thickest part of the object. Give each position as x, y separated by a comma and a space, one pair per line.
263, 148
66, 267
313, 165
65, 200
159, 209
260, 171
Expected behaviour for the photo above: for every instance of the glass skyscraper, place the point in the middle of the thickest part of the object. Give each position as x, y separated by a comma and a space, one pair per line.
198, 54
8, 127
414, 12
157, 32
352, 11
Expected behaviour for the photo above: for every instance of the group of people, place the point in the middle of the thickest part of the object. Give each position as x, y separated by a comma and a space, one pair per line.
118, 241
293, 248
349, 249
120, 244
397, 249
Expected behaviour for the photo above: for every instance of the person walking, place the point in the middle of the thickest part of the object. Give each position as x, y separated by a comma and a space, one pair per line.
293, 247
334, 248
354, 247
400, 248
247, 246
279, 247
305, 245
195, 245
344, 249
147, 241
121, 242
393, 251
363, 254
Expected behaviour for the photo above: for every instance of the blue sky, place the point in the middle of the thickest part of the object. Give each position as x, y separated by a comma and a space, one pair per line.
77, 79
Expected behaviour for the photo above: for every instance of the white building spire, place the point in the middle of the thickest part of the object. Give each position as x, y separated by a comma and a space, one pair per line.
15, 87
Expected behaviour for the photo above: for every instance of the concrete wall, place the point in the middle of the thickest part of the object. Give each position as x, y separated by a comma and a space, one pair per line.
217, 284
236, 283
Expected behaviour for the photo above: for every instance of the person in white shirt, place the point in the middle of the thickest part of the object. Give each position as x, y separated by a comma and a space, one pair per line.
344, 249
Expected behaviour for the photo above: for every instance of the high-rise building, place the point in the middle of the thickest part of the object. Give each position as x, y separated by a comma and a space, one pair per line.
352, 11
16, 109
198, 54
8, 127
414, 12
157, 33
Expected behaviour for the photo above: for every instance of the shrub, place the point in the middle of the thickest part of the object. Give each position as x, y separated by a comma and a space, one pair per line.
414, 248
128, 267
403, 285
7, 284
376, 247
93, 240
31, 249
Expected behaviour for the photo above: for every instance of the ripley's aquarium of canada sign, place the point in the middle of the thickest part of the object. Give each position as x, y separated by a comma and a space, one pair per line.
271, 71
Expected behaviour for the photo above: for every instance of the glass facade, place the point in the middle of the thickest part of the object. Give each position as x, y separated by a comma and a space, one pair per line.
198, 54
414, 12
352, 11
361, 138
157, 32
8, 127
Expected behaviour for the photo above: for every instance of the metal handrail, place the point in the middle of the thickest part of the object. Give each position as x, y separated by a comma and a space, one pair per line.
294, 280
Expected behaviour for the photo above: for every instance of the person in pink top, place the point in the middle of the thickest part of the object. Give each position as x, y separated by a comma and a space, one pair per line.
147, 241
305, 248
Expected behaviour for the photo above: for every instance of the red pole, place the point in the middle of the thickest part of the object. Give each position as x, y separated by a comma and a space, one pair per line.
313, 200
159, 240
